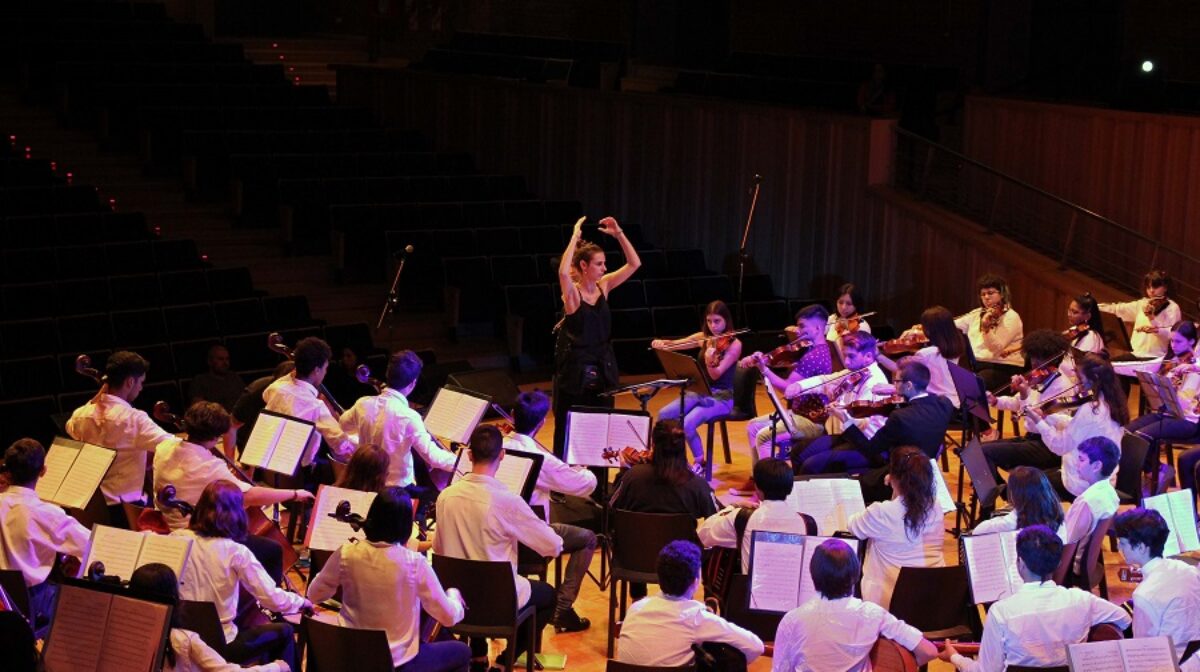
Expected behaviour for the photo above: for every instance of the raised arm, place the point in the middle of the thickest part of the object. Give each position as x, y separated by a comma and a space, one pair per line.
613, 280
565, 283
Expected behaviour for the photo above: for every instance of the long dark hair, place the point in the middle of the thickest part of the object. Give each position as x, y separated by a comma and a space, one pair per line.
1033, 499
367, 470
160, 579
1095, 322
912, 474
938, 325
670, 455
717, 308
220, 512
1188, 329
1103, 380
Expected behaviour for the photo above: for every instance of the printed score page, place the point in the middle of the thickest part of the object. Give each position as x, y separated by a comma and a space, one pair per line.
134, 635
77, 633
327, 534
629, 430
169, 549
289, 447
1178, 509
454, 415
262, 439
992, 565
85, 476
776, 566
117, 549
830, 501
513, 471
943, 492
1148, 654
587, 438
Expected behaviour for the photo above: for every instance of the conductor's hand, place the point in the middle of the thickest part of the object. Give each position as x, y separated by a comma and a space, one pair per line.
658, 344
579, 226
609, 226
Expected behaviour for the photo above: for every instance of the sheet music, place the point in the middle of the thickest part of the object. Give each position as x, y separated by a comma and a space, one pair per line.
587, 435
776, 567
1148, 654
85, 476
513, 471
943, 492
992, 565
289, 447
134, 635
807, 589
58, 463
170, 550
117, 549
327, 534
1096, 657
1178, 509
454, 415
629, 430
830, 501
77, 633
262, 439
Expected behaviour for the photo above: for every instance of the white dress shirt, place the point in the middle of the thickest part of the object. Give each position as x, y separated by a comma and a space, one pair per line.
32, 532
823, 635
659, 631
940, 381
555, 476
479, 519
190, 468
987, 347
217, 567
892, 548
1008, 523
1033, 626
839, 390
291, 396
385, 587
771, 515
1014, 403
386, 420
111, 422
1146, 345
1062, 433
193, 655
1167, 602
1100, 500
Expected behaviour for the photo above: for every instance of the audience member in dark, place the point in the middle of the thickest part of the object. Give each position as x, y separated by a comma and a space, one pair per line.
219, 383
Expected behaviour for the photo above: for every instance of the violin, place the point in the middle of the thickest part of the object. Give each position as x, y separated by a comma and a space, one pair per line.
845, 325
1076, 330
1041, 374
1155, 305
720, 345
903, 346
1072, 397
627, 456
275, 344
789, 353
866, 409
506, 425
1169, 365
989, 319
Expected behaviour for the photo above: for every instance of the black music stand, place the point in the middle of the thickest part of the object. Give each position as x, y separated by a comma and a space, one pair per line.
682, 367
644, 392
1163, 399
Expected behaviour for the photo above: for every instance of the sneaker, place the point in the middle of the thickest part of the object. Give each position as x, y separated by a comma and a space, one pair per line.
700, 468
745, 490
569, 621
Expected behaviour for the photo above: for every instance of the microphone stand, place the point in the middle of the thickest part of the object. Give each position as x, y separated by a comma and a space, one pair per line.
393, 297
742, 253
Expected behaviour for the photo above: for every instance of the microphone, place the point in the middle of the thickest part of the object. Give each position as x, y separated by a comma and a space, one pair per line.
757, 178
408, 249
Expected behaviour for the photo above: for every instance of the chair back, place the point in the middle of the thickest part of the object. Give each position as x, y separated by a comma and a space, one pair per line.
888, 656
1064, 562
638, 537
935, 599
481, 582
972, 396
1129, 476
618, 666
12, 582
333, 648
1091, 568
744, 400
763, 624
202, 618
1105, 632
18, 643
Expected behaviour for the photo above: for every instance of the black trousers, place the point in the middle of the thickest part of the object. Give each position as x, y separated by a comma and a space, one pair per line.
263, 644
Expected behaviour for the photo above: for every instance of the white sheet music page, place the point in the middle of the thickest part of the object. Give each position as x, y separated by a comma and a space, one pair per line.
169, 549
1096, 657
815, 497
629, 430
848, 494
117, 549
943, 492
58, 463
454, 415
262, 440
85, 476
514, 470
133, 636
289, 446
587, 437
327, 534
1178, 509
1148, 654
988, 563
776, 564
77, 634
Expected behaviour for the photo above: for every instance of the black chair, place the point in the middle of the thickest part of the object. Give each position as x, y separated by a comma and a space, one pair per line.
127, 292
12, 582
136, 327
28, 417
767, 315
629, 294
229, 283
28, 338
202, 618
1087, 572
32, 377
712, 288
182, 287
190, 322
18, 643
287, 312
674, 321
633, 323
683, 263
333, 648
636, 540
79, 333
488, 583
667, 292
1129, 477
240, 316
28, 301
936, 601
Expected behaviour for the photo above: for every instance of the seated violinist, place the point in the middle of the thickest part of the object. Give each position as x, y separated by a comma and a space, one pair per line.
936, 343
836, 392
848, 316
808, 355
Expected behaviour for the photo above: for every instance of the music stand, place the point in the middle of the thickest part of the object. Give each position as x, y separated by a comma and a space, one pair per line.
1161, 394
644, 392
983, 483
682, 367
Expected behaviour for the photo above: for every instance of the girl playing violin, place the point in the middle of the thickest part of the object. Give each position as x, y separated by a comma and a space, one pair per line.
718, 355
1086, 328
942, 343
1152, 316
1179, 365
848, 316
992, 328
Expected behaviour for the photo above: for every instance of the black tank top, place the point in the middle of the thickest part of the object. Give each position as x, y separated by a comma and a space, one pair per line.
585, 340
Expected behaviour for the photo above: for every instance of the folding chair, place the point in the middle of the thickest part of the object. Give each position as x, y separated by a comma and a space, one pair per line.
333, 648
488, 583
936, 601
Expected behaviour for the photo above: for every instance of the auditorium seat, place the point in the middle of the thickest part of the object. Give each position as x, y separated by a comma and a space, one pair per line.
684, 263
28, 338
78, 297
667, 291
28, 418
32, 377
179, 287
192, 321
249, 351
241, 316
137, 327
191, 357
768, 315
633, 323
71, 380
519, 269
81, 333
287, 312
134, 291
629, 294
28, 301
675, 321
708, 288
87, 261
229, 283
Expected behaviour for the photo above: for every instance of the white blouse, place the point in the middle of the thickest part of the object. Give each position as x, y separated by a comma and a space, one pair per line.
987, 347
891, 546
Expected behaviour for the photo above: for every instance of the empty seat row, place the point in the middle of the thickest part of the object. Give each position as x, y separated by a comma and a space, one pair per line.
22, 172
82, 296
72, 229
170, 72
48, 200
527, 68
89, 261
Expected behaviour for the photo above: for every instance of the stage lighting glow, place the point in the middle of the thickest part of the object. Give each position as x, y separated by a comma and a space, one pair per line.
1147, 66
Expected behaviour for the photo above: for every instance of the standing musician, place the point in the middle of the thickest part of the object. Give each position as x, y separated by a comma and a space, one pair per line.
111, 421
191, 465
719, 356
848, 316
991, 329
296, 395
936, 341
814, 360
585, 364
1179, 366
386, 420
1152, 315
834, 451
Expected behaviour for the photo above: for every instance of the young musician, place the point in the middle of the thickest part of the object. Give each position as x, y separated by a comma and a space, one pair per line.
585, 364
1033, 627
296, 395
946, 344
1033, 502
1083, 318
659, 631
836, 450
837, 631
849, 308
1152, 315
719, 358
773, 480
529, 414
185, 651
110, 420
367, 470
1167, 601
386, 420
385, 587
1103, 413
1095, 458
219, 566
479, 519
33, 532
991, 329
1044, 348
1159, 426
905, 531
816, 361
